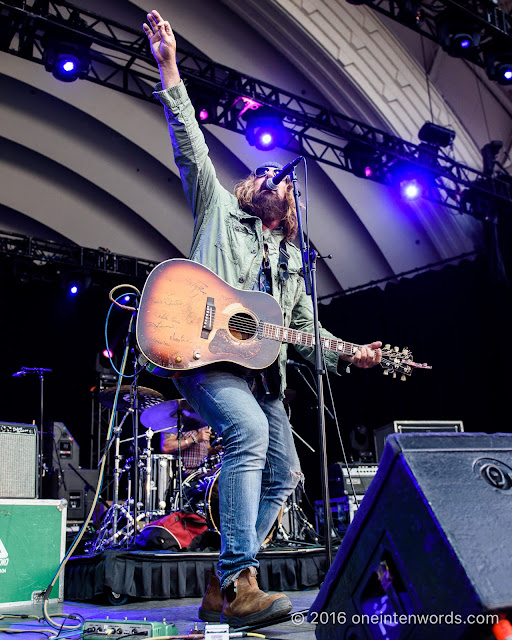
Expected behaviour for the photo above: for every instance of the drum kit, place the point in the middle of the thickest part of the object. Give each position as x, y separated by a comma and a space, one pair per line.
159, 484
163, 484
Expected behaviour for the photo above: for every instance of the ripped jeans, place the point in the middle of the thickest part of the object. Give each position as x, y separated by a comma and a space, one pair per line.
260, 467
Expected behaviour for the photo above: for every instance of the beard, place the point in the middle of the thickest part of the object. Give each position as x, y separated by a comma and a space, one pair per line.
268, 206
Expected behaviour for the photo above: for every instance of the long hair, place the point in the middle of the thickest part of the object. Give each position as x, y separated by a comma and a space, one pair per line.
244, 192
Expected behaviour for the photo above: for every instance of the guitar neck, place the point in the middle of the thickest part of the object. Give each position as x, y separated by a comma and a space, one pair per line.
292, 336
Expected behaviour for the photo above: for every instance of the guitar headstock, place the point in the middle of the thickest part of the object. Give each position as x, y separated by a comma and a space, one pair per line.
396, 362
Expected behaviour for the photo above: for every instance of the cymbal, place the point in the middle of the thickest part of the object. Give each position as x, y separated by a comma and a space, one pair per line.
146, 397
165, 416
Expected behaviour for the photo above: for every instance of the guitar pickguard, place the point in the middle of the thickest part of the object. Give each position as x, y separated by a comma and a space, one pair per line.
223, 344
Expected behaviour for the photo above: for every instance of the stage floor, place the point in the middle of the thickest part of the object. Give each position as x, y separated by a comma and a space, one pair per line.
181, 612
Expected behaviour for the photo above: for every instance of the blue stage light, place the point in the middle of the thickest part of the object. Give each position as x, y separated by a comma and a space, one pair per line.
66, 61
411, 188
74, 289
265, 129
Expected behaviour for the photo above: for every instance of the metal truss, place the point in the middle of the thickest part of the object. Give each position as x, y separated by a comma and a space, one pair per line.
121, 60
45, 253
426, 16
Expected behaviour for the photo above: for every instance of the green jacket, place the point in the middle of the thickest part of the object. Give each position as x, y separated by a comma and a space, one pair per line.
226, 239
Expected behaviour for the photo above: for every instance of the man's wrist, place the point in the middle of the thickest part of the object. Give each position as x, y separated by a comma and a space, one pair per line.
169, 76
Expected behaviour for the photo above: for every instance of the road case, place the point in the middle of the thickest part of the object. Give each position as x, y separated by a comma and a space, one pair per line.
32, 545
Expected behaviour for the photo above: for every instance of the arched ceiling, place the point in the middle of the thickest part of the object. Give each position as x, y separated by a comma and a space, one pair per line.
94, 166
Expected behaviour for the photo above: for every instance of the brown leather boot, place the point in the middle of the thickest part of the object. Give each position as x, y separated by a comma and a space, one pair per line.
245, 603
211, 606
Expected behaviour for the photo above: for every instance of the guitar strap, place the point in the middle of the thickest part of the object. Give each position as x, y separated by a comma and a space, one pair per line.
284, 257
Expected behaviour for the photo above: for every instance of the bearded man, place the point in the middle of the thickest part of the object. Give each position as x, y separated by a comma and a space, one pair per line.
245, 238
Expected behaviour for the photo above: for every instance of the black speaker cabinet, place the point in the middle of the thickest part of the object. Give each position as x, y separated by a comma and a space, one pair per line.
78, 488
430, 545
19, 460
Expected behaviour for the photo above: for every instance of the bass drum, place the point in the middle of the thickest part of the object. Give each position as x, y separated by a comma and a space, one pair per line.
204, 494
201, 495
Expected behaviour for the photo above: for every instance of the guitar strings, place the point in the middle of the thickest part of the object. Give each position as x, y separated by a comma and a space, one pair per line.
251, 326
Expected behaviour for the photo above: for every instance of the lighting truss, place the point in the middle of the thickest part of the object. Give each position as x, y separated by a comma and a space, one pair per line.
46, 253
121, 60
495, 24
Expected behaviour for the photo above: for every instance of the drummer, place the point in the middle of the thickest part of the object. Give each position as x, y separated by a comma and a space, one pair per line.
195, 441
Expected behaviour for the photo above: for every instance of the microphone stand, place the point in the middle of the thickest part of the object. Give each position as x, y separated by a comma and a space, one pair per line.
309, 259
40, 372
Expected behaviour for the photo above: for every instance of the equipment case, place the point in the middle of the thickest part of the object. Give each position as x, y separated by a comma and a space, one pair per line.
32, 545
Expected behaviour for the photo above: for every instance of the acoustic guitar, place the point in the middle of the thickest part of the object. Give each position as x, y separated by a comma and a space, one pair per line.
189, 317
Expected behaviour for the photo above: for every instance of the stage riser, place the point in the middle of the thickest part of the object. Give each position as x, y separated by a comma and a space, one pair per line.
166, 575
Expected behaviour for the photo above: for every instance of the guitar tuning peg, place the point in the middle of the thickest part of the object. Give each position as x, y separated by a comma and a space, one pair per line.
386, 372
394, 374
387, 346
403, 377
396, 349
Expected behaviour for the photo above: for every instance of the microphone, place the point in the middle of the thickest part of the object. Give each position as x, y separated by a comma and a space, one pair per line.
292, 363
279, 177
18, 374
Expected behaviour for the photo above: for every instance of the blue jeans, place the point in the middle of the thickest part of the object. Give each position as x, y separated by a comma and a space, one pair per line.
260, 468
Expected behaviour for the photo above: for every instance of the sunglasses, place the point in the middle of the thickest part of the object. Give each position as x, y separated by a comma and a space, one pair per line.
261, 172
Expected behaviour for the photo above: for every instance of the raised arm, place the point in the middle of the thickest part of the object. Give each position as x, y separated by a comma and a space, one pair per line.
163, 46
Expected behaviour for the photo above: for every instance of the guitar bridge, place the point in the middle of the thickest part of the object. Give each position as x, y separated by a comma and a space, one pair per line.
209, 317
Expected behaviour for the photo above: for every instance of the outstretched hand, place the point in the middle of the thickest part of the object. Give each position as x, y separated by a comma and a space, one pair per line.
163, 47
367, 356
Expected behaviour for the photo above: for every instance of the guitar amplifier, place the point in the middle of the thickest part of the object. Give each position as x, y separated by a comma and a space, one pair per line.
358, 475
413, 426
19, 467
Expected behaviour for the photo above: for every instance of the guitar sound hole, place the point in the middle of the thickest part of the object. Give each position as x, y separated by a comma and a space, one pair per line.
242, 326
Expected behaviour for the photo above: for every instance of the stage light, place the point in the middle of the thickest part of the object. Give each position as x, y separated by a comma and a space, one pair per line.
411, 188
363, 160
74, 288
75, 283
489, 154
107, 353
205, 100
264, 129
411, 180
499, 67
66, 61
436, 135
458, 36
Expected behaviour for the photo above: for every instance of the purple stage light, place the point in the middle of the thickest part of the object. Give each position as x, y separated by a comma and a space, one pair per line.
107, 353
368, 172
508, 75
203, 114
68, 66
465, 43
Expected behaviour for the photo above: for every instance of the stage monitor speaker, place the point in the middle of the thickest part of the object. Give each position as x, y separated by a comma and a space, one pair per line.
19, 460
412, 426
429, 546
